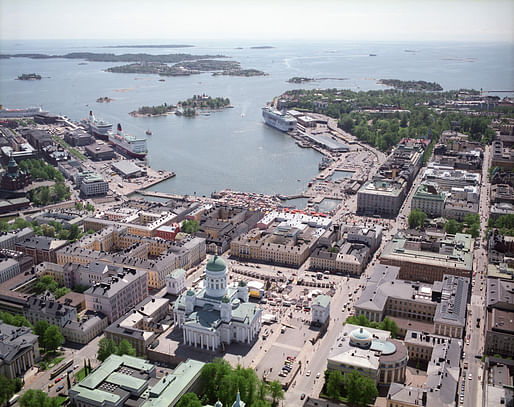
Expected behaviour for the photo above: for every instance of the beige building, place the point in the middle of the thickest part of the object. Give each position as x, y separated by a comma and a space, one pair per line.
19, 350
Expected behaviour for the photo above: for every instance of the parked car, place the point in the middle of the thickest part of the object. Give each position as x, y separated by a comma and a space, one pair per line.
58, 389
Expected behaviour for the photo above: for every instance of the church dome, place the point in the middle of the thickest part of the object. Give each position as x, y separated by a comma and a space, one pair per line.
190, 293
216, 264
360, 337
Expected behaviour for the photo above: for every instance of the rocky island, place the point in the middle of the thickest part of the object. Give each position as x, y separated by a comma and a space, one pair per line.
104, 99
412, 85
29, 77
300, 79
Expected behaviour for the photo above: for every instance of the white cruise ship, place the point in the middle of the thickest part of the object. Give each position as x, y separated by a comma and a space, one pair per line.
13, 113
128, 144
278, 120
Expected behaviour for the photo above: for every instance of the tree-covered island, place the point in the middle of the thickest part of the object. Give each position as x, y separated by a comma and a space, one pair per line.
241, 72
29, 77
188, 108
412, 85
300, 79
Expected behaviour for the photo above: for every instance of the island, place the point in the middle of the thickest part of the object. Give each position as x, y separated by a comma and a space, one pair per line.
241, 72
101, 57
104, 99
29, 77
412, 85
262, 47
203, 103
152, 68
150, 46
300, 79
198, 104
151, 111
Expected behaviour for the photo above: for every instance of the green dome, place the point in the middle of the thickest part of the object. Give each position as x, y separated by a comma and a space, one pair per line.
216, 264
190, 293
225, 299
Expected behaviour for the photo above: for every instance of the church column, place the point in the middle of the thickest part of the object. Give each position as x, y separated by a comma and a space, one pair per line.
201, 341
184, 335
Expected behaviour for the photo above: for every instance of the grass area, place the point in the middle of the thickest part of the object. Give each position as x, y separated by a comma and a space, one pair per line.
50, 360
80, 375
73, 151
61, 400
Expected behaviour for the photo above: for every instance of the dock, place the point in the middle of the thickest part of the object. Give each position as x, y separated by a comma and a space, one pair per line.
164, 195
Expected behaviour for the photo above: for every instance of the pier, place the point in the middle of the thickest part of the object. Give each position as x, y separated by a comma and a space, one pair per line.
164, 195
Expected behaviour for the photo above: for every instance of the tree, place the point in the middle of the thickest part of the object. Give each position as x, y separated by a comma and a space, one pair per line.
90, 207
7, 389
106, 348
37, 398
452, 226
189, 226
40, 328
46, 283
74, 232
334, 384
276, 392
125, 348
189, 400
68, 381
360, 390
417, 218
52, 338
389, 325
61, 291
79, 206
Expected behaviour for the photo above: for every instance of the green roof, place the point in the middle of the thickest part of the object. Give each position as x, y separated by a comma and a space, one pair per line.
178, 273
216, 264
322, 300
170, 388
126, 381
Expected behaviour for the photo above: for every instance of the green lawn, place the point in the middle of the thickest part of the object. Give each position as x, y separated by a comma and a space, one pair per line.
50, 360
80, 375
61, 400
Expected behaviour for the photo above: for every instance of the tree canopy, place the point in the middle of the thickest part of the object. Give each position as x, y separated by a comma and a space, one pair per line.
107, 347
386, 324
37, 398
8, 387
360, 390
52, 338
417, 219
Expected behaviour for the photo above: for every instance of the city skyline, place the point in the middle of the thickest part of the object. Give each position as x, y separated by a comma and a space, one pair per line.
458, 20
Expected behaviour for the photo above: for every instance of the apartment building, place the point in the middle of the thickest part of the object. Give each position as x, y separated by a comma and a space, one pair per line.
423, 257
116, 295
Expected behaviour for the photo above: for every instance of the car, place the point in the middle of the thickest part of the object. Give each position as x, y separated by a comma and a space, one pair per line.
318, 375
308, 373
58, 389
302, 396
69, 371
58, 379
50, 385
470, 376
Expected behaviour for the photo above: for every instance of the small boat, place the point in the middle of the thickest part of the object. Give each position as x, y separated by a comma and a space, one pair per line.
148, 133
161, 80
372, 55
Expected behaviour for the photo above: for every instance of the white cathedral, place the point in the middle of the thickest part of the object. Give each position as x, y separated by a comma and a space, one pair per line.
217, 313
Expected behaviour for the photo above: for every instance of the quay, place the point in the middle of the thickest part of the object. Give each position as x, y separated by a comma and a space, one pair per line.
164, 195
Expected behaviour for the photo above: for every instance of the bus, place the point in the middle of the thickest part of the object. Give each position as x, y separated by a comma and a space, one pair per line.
13, 400
61, 369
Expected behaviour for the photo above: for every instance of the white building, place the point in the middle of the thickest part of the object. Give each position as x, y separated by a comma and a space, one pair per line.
321, 309
217, 313
176, 282
9, 268
93, 184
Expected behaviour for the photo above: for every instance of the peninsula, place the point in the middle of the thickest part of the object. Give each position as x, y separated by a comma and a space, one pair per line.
412, 85
29, 77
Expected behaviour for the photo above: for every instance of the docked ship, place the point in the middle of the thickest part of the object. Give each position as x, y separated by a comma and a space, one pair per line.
98, 128
279, 120
14, 113
128, 144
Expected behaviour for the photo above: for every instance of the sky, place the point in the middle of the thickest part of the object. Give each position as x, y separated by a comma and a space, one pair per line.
343, 20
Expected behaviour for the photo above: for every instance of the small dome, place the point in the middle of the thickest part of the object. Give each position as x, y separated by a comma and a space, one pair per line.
360, 337
216, 264
242, 283
190, 293
225, 299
